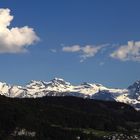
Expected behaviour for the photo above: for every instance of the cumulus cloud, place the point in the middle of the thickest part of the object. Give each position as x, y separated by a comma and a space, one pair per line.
74, 48
131, 51
84, 51
89, 51
14, 40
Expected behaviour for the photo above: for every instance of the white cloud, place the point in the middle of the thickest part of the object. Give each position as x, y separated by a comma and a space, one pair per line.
84, 51
89, 51
74, 48
14, 40
131, 51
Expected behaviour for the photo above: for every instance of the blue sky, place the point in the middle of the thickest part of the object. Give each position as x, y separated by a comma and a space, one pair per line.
80, 40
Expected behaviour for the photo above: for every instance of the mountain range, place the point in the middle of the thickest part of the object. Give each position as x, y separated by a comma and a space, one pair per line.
59, 87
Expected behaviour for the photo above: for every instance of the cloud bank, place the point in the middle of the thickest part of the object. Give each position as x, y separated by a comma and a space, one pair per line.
131, 51
84, 51
14, 40
128, 52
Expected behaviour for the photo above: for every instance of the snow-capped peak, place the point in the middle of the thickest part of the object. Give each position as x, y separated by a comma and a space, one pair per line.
87, 84
35, 84
135, 87
60, 81
60, 87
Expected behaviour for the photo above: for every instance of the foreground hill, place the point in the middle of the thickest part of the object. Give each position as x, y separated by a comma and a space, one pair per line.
59, 87
66, 118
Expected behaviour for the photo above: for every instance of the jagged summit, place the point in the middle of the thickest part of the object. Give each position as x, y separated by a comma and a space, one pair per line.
135, 91
60, 81
60, 87
35, 83
135, 87
86, 84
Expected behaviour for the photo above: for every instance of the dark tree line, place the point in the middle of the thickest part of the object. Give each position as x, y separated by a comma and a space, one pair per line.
54, 118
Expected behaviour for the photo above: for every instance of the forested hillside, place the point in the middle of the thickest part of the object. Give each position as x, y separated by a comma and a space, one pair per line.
65, 118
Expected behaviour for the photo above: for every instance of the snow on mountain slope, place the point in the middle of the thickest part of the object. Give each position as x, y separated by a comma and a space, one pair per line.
59, 87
